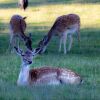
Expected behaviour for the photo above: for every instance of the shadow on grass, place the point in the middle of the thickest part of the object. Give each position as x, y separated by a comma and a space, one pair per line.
8, 5
45, 2
60, 2
89, 45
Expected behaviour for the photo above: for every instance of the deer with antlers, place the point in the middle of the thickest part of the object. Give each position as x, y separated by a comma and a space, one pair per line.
44, 75
65, 26
17, 30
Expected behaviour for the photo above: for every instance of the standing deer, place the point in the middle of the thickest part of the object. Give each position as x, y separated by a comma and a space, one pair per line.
23, 4
45, 75
64, 26
17, 29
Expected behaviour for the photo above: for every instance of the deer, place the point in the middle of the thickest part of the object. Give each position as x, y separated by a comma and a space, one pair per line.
65, 27
23, 4
47, 75
17, 31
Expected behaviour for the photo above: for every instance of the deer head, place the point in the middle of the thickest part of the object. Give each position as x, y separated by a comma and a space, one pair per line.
26, 56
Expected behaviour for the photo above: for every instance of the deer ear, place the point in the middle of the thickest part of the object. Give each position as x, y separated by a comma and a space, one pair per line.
24, 17
19, 51
36, 51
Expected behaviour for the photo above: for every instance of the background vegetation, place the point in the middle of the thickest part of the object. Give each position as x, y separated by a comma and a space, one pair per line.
83, 59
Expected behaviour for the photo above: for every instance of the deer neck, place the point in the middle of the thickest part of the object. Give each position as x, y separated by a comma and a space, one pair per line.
23, 75
23, 36
45, 41
50, 34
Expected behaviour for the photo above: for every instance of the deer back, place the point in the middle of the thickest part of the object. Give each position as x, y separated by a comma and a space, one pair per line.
18, 24
65, 22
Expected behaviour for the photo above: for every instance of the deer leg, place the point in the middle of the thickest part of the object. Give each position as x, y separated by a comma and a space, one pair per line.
64, 43
70, 42
18, 42
60, 43
78, 34
11, 42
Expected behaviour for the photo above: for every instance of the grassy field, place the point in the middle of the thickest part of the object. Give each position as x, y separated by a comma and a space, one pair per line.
83, 59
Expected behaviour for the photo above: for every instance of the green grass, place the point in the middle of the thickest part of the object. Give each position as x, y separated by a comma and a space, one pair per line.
83, 59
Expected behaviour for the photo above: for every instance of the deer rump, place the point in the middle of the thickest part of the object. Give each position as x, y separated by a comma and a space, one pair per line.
23, 4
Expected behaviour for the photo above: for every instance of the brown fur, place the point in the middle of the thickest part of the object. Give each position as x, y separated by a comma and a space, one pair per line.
37, 73
65, 22
18, 25
17, 29
44, 75
61, 27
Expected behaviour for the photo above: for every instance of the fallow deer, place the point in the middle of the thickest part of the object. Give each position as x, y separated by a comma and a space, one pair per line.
23, 4
17, 29
44, 75
65, 26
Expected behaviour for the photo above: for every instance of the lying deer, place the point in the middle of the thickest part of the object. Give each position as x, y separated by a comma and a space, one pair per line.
45, 75
64, 26
17, 29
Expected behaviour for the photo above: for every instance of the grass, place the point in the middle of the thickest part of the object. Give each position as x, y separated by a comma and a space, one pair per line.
83, 59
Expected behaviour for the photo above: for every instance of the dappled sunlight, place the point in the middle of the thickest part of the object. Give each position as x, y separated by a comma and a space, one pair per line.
47, 14
5, 1
84, 57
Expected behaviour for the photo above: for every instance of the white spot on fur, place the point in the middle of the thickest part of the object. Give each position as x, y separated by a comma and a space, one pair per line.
48, 79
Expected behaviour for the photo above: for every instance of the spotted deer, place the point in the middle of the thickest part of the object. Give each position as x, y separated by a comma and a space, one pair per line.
45, 75
65, 26
17, 30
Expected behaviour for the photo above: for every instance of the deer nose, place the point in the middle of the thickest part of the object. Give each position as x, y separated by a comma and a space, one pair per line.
30, 62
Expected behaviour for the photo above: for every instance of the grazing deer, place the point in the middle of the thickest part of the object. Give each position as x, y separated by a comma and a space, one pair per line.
23, 4
17, 29
64, 26
45, 75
